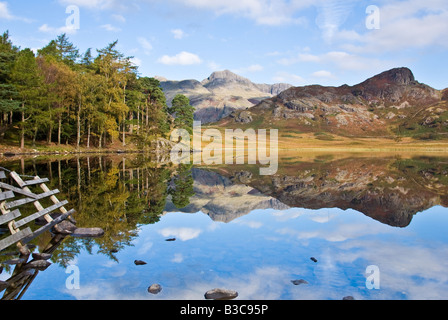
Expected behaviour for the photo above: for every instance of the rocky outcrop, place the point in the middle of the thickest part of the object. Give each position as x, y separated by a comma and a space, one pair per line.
241, 117
376, 106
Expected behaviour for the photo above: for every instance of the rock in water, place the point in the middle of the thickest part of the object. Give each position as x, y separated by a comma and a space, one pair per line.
299, 282
88, 232
221, 294
41, 256
139, 262
65, 227
155, 288
38, 264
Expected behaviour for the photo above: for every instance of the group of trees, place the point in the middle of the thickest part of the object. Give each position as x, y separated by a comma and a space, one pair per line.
61, 96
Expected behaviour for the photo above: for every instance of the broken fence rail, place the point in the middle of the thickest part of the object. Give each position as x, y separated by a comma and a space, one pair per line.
9, 192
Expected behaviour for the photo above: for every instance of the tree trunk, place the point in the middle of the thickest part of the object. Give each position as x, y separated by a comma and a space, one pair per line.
35, 136
138, 119
50, 129
88, 134
147, 114
22, 135
124, 129
78, 129
59, 129
100, 140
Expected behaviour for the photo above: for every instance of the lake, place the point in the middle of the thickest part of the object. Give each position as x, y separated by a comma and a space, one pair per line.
364, 226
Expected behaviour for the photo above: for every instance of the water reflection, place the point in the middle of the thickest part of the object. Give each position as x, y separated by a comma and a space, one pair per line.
273, 225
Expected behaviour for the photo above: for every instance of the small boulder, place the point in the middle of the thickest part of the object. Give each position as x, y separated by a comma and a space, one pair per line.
41, 256
155, 288
220, 294
38, 264
88, 232
15, 261
65, 227
299, 282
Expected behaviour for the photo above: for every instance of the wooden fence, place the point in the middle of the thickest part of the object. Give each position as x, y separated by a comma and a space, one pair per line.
12, 197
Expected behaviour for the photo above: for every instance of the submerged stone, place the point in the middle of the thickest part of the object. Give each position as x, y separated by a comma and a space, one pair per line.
220, 294
88, 232
299, 282
41, 256
155, 288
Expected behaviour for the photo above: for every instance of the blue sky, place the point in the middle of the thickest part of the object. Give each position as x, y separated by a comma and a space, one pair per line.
295, 41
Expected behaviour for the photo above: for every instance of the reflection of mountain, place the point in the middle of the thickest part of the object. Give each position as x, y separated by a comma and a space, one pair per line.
222, 200
390, 191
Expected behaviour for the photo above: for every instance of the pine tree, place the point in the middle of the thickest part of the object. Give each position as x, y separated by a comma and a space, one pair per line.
9, 96
26, 78
183, 113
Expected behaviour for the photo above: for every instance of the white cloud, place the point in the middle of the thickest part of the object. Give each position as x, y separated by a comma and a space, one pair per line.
249, 69
93, 4
4, 11
331, 16
212, 65
178, 258
109, 27
178, 33
322, 74
287, 77
250, 224
403, 25
7, 15
65, 29
264, 12
183, 58
119, 18
184, 234
136, 61
340, 59
146, 45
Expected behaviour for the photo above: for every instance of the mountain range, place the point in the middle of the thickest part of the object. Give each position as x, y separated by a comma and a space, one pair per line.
220, 94
392, 103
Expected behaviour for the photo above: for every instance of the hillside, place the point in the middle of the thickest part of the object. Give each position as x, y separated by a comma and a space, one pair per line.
391, 104
220, 94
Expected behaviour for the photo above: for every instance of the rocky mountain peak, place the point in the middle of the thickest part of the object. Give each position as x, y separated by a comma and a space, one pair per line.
399, 76
223, 77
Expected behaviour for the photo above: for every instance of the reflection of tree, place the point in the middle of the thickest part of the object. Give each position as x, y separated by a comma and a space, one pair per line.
116, 195
183, 187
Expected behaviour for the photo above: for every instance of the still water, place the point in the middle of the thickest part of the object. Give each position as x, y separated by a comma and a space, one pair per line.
376, 228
